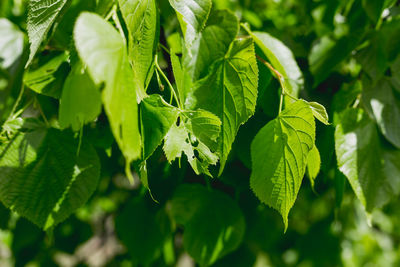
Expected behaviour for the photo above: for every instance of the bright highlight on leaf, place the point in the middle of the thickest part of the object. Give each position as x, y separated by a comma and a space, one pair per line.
279, 157
103, 50
372, 168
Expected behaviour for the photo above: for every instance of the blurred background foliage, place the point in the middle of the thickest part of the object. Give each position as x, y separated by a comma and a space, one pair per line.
340, 45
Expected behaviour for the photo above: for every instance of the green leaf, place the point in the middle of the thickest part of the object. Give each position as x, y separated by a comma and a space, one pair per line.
319, 112
279, 157
11, 43
229, 91
282, 59
143, 230
211, 44
204, 125
103, 50
181, 138
313, 165
41, 16
183, 80
192, 16
372, 169
384, 107
207, 240
80, 102
330, 51
373, 8
157, 117
141, 21
48, 76
42, 177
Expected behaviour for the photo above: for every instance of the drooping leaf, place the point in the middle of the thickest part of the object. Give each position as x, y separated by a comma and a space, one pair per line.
282, 59
313, 165
103, 50
41, 16
279, 155
372, 169
80, 102
319, 112
384, 106
181, 138
11, 43
205, 240
229, 91
143, 230
157, 117
48, 76
141, 20
42, 177
212, 43
192, 16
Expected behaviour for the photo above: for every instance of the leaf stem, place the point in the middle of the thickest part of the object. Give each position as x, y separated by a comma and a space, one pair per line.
280, 78
19, 98
118, 23
168, 82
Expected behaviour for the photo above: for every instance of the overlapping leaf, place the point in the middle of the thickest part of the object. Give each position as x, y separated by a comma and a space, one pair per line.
80, 102
229, 91
11, 43
384, 106
211, 44
282, 59
188, 136
157, 117
192, 15
103, 50
43, 179
41, 16
372, 169
279, 155
141, 20
48, 76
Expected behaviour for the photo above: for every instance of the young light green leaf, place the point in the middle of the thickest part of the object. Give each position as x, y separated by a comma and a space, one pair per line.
48, 76
183, 80
103, 50
282, 59
313, 165
41, 16
204, 125
211, 44
279, 157
80, 102
193, 206
372, 169
11, 43
319, 112
141, 21
157, 117
43, 179
384, 107
229, 91
180, 139
192, 16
